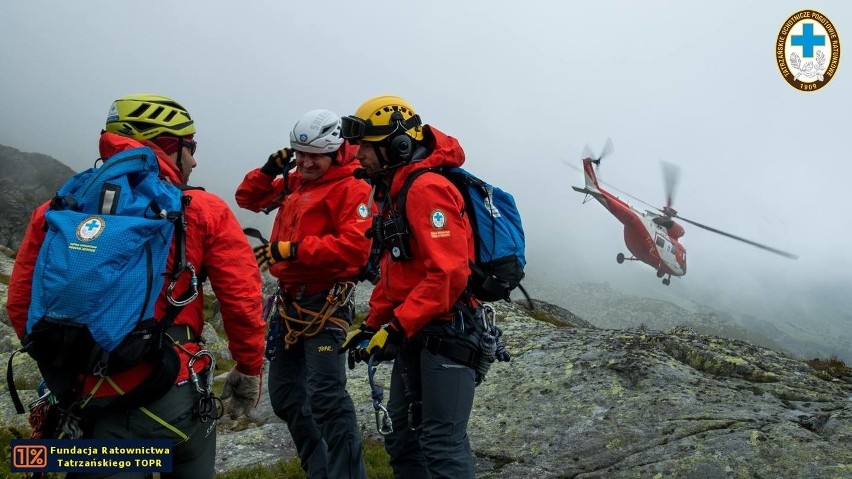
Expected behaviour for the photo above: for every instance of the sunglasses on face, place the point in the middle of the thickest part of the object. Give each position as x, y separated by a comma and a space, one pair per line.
191, 144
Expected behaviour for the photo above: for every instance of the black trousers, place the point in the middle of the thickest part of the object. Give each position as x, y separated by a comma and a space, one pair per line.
440, 448
194, 457
307, 389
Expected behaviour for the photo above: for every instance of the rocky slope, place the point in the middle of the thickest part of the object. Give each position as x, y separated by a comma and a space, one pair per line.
577, 401
26, 181
606, 307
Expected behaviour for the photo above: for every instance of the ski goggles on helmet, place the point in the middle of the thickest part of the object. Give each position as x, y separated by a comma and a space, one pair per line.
356, 129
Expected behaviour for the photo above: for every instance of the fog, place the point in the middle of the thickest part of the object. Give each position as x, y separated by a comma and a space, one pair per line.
523, 86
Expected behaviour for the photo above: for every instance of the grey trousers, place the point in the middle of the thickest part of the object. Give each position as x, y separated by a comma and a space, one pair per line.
307, 389
441, 448
193, 458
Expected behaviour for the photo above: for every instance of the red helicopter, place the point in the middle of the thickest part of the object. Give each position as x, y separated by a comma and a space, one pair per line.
651, 236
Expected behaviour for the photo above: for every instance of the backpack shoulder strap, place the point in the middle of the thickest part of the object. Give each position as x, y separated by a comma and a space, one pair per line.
180, 263
402, 196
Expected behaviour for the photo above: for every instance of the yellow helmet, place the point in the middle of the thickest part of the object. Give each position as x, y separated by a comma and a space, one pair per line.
380, 117
144, 116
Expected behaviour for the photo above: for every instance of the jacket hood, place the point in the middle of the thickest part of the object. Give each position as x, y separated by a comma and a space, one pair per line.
445, 151
111, 144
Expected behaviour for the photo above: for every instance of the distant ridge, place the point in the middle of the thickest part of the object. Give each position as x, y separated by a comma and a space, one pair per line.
26, 181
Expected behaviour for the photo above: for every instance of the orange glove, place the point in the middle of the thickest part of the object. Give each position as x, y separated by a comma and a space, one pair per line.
273, 252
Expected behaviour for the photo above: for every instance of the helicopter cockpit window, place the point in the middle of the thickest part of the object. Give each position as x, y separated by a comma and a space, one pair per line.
660, 241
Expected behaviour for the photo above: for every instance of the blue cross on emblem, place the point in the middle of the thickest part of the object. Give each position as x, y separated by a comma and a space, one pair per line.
92, 225
807, 40
438, 219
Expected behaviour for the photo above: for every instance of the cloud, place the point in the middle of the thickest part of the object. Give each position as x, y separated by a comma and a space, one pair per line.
523, 87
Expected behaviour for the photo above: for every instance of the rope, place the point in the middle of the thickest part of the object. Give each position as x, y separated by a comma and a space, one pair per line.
301, 327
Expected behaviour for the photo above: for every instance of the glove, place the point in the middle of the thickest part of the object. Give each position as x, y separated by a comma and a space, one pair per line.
385, 343
244, 392
355, 337
501, 353
353, 341
277, 162
273, 252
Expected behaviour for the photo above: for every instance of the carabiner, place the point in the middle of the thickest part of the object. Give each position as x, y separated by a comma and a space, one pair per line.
193, 376
384, 425
348, 288
415, 412
193, 285
383, 420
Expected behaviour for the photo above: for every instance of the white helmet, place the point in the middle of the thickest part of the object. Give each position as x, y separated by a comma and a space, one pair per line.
317, 132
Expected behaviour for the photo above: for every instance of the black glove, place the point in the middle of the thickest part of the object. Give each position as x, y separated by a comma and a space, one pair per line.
277, 162
501, 353
385, 343
273, 252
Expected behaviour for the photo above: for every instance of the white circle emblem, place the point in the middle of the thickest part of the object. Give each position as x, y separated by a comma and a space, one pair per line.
90, 228
363, 212
438, 219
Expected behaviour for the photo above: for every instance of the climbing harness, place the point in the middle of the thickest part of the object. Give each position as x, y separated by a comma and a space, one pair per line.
308, 323
384, 425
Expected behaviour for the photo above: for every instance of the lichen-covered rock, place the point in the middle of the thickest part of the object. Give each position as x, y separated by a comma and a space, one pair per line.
624, 404
581, 402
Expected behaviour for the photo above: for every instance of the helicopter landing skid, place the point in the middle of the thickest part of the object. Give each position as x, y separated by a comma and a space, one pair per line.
620, 258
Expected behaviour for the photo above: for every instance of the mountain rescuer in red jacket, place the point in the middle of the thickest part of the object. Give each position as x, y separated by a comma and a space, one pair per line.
317, 251
419, 312
217, 249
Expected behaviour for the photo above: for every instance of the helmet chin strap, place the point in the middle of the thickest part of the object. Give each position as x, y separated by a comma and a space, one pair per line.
178, 161
379, 156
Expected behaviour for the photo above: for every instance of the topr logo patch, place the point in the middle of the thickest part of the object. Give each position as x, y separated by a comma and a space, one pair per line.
90, 228
807, 50
438, 219
363, 211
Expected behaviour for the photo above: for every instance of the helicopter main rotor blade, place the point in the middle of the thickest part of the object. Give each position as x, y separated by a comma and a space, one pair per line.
738, 238
671, 174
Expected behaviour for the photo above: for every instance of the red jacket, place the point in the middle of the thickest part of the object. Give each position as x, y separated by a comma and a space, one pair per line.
327, 217
425, 288
215, 244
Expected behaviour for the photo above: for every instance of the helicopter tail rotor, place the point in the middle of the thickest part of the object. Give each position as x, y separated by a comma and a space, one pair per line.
606, 151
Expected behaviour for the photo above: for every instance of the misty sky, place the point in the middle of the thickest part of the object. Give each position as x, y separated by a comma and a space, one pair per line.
522, 85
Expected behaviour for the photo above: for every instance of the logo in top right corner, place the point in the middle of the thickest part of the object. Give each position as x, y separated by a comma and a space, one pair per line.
808, 50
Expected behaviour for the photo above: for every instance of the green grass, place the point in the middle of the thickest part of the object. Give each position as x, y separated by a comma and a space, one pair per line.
281, 470
375, 458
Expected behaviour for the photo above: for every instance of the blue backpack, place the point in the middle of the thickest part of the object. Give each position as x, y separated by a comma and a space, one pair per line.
499, 235
100, 270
